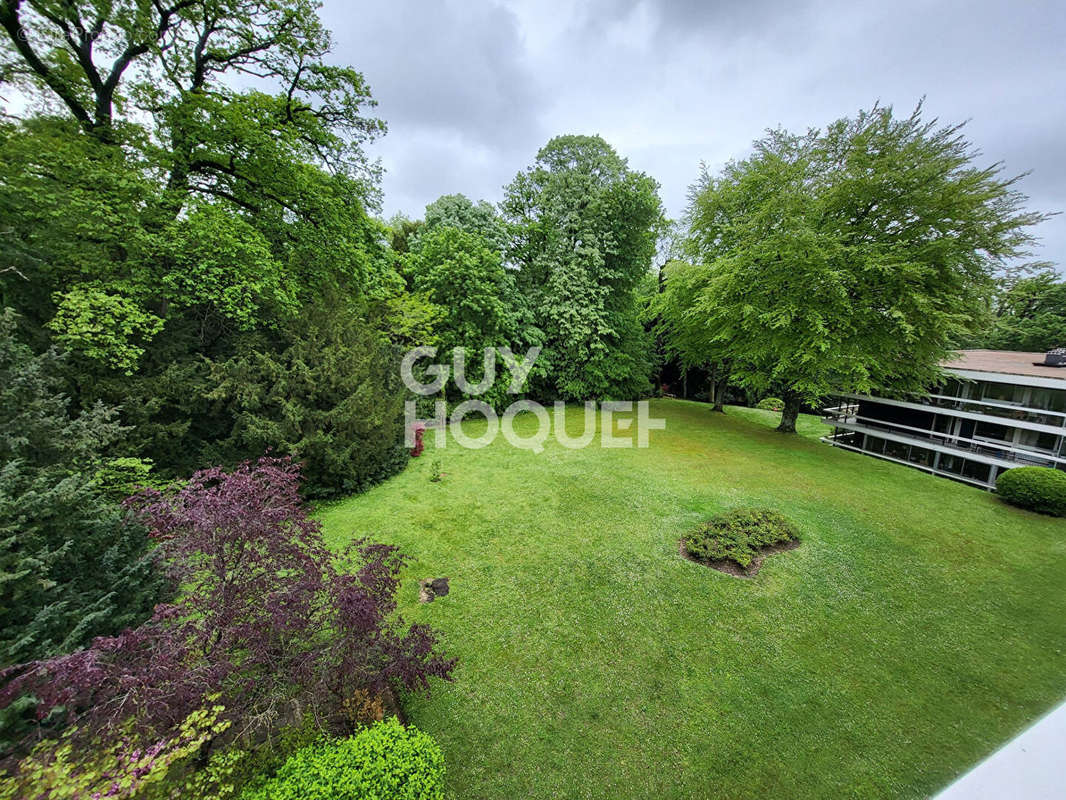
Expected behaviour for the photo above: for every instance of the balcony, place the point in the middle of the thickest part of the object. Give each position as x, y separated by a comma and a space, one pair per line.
1014, 416
993, 408
846, 417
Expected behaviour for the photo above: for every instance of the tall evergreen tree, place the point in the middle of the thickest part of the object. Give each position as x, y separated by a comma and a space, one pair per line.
73, 564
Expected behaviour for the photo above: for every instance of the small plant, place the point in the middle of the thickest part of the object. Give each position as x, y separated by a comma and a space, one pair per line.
65, 770
739, 536
771, 404
1040, 489
435, 474
385, 760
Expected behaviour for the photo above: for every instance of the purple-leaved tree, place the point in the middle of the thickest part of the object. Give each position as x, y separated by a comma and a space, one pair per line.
267, 619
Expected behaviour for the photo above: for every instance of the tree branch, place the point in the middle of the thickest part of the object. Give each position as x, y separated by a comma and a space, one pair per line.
12, 24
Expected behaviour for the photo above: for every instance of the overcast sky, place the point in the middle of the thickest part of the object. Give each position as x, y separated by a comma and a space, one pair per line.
472, 88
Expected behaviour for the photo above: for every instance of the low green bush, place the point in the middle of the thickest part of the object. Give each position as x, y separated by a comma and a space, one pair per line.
738, 535
771, 404
1039, 489
383, 762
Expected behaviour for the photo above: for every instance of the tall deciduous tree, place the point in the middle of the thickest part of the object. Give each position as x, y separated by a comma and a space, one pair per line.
584, 228
460, 273
850, 259
459, 211
200, 183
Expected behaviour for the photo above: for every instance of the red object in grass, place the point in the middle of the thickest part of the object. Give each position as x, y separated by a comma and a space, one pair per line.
419, 428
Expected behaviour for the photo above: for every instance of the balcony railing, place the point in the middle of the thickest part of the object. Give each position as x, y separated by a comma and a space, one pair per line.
846, 416
1013, 411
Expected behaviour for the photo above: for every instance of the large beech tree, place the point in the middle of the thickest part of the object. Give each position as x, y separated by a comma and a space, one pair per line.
850, 258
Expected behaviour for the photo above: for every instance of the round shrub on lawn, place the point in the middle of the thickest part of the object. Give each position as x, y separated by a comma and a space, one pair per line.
739, 535
771, 404
1035, 488
384, 762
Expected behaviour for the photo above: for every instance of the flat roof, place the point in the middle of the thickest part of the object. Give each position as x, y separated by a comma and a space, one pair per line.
1005, 362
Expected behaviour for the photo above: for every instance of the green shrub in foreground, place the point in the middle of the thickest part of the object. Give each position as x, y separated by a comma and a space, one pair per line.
1034, 488
738, 535
771, 404
384, 762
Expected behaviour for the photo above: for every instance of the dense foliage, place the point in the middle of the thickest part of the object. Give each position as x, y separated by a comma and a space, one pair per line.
73, 564
739, 535
682, 327
118, 768
385, 760
267, 622
1028, 314
462, 274
849, 259
1039, 489
163, 223
584, 230
332, 398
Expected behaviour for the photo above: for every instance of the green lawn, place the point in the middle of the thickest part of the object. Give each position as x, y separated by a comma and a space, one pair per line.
920, 624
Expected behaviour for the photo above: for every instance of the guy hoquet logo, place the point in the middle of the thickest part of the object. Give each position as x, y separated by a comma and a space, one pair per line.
434, 376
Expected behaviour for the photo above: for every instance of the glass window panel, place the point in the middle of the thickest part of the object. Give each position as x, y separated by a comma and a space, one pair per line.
990, 430
1048, 399
896, 450
921, 456
975, 470
1002, 392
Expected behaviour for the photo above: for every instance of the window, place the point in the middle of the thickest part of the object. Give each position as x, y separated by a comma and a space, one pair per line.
990, 430
1002, 393
921, 456
950, 463
896, 450
953, 388
976, 471
875, 444
1036, 440
1048, 400
944, 424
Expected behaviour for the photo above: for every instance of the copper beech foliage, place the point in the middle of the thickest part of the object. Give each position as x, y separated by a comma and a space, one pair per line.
269, 619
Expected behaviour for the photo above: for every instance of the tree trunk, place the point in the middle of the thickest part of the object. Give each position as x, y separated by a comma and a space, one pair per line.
719, 394
790, 413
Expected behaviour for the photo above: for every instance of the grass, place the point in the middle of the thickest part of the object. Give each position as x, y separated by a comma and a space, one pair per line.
918, 626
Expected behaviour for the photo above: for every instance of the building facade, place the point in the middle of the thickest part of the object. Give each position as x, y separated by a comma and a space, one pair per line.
999, 410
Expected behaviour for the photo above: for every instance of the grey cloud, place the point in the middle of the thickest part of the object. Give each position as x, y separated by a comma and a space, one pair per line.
471, 90
448, 66
700, 16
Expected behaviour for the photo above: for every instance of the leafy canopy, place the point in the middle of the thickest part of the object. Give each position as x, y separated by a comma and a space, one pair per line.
584, 228
1028, 314
848, 259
